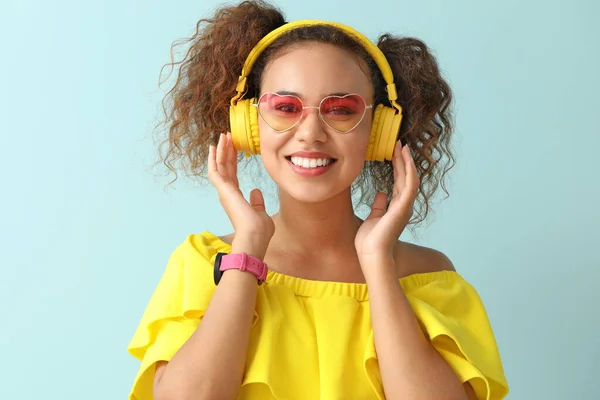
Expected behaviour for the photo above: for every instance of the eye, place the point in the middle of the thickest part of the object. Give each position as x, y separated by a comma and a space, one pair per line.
341, 107
281, 105
287, 108
340, 110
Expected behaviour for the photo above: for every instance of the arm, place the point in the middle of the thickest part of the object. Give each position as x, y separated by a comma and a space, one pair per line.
410, 366
210, 365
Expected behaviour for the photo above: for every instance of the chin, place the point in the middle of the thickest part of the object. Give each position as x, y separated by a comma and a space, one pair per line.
309, 194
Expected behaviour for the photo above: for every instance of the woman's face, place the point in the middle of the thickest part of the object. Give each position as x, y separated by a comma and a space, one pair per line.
312, 72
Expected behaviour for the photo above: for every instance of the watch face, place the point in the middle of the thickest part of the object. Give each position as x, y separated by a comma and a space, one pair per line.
217, 274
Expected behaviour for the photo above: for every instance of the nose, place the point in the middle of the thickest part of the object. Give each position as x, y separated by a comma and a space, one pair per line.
310, 129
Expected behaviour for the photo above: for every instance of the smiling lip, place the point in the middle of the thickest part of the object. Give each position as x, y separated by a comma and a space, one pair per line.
309, 172
310, 154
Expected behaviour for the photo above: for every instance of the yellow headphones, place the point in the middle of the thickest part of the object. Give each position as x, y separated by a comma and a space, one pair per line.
386, 120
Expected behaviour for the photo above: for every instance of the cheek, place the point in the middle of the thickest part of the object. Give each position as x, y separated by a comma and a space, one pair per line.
358, 155
270, 143
361, 141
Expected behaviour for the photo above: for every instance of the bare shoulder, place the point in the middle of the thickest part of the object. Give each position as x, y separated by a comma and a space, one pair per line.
414, 259
227, 238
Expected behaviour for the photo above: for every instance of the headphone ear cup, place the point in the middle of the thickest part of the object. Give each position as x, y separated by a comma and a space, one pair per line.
395, 120
384, 132
239, 119
252, 128
374, 135
238, 127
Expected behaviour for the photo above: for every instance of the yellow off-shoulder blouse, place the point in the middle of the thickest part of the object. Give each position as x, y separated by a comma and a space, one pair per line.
313, 339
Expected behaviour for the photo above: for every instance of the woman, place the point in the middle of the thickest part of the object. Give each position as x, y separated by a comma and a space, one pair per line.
312, 302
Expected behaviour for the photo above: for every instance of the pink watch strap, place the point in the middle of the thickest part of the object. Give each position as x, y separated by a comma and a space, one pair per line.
244, 262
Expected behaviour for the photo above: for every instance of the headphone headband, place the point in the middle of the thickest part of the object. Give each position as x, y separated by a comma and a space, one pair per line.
371, 48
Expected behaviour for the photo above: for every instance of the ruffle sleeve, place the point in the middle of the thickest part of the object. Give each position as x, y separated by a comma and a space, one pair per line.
173, 312
314, 337
454, 318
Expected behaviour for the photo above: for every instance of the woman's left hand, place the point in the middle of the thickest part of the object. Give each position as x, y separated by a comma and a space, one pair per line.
378, 234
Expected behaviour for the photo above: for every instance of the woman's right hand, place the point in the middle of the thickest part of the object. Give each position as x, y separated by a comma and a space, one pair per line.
253, 226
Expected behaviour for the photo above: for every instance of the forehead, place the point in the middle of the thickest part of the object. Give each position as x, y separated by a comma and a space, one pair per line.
315, 70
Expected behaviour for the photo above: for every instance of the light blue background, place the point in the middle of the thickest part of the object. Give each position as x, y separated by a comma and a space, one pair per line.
86, 228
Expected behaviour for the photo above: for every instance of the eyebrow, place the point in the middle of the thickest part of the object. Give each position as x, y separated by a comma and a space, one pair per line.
288, 93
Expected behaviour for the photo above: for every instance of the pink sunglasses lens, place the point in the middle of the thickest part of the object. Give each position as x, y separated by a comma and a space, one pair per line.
343, 113
280, 112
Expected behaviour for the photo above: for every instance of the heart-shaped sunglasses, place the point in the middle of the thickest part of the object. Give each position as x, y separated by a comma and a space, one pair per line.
282, 112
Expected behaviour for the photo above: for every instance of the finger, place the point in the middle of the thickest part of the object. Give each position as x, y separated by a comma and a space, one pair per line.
257, 201
213, 171
378, 207
397, 149
226, 157
399, 167
412, 177
231, 159
221, 161
229, 135
212, 161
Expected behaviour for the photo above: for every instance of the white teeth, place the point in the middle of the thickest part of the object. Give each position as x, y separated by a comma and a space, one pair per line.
310, 162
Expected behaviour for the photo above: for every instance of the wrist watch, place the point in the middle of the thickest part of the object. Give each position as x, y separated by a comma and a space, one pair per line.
241, 261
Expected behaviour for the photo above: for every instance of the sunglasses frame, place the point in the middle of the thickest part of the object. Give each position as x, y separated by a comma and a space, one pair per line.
367, 106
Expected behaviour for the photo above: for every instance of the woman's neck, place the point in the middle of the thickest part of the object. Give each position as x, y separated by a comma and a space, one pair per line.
326, 225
